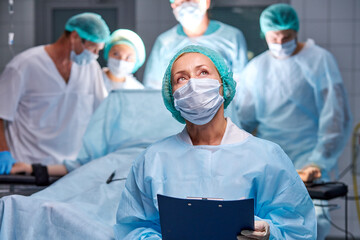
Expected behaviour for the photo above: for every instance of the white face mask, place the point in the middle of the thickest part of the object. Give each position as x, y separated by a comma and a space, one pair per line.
282, 51
198, 100
85, 57
190, 14
120, 68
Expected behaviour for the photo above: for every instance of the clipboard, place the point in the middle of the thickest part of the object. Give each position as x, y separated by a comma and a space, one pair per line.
189, 219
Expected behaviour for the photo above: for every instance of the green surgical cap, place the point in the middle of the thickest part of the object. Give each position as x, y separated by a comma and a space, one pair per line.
226, 76
278, 17
89, 26
172, 1
128, 37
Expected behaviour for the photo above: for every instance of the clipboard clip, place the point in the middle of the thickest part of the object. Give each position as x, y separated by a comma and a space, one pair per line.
203, 198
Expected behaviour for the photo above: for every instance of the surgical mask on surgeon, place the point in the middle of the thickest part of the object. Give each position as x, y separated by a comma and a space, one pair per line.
120, 68
282, 51
85, 57
198, 100
190, 14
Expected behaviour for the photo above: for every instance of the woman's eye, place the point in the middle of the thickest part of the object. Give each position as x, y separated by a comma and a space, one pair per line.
203, 73
181, 79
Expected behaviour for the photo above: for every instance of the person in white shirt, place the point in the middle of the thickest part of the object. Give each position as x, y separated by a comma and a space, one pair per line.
48, 94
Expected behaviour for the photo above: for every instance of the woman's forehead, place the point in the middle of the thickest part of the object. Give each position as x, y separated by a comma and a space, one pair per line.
122, 47
192, 59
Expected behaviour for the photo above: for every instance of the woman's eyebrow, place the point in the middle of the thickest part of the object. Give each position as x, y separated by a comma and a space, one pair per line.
180, 72
200, 66
184, 71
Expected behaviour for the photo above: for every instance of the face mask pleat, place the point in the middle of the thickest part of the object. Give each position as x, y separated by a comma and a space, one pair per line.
198, 100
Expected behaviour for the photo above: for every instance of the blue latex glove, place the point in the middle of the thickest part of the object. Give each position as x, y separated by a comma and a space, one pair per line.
6, 162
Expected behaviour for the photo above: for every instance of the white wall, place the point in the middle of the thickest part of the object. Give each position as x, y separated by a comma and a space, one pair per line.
152, 18
335, 25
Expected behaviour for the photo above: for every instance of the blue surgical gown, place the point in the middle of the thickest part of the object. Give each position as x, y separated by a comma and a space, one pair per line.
225, 39
125, 119
251, 168
299, 103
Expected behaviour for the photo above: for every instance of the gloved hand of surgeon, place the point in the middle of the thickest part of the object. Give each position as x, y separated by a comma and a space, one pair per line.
6, 162
309, 173
261, 232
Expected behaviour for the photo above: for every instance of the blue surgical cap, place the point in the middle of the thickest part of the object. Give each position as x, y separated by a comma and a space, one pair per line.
89, 26
278, 17
172, 1
226, 76
130, 38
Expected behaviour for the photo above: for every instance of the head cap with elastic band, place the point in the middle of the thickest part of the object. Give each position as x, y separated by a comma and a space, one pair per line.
278, 17
89, 26
226, 76
130, 38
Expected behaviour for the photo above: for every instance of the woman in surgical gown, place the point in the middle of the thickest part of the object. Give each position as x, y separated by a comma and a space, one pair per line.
212, 157
125, 54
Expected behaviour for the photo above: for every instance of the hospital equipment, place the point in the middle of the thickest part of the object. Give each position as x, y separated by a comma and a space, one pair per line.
329, 191
11, 34
225, 73
21, 185
356, 166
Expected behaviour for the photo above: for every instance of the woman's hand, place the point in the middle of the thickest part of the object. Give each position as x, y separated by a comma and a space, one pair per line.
309, 173
20, 167
261, 232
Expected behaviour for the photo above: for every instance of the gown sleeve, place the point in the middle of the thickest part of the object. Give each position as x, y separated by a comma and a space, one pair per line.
283, 201
334, 116
154, 71
245, 100
242, 58
137, 216
11, 89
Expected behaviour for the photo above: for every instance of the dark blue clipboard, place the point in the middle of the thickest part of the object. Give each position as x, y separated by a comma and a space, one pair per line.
189, 219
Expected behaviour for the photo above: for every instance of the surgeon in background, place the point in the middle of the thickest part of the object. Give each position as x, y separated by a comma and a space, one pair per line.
212, 157
195, 28
293, 95
125, 54
48, 94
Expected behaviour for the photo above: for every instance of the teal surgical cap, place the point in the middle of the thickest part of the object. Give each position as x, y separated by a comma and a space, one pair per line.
89, 26
172, 1
278, 17
226, 76
130, 38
